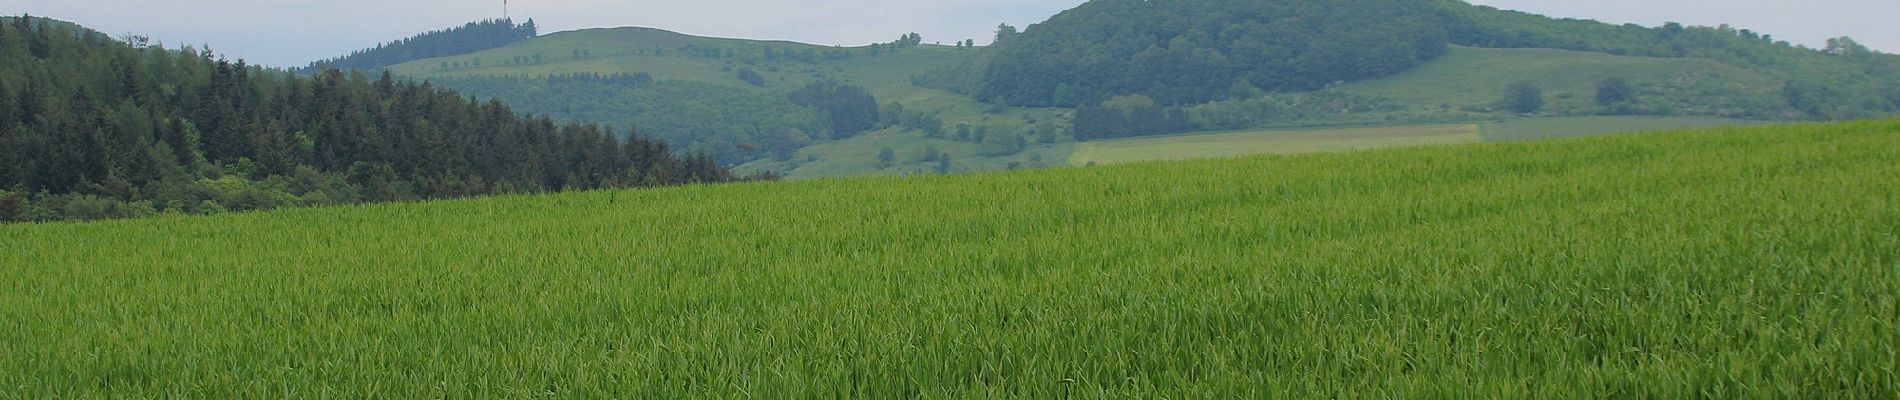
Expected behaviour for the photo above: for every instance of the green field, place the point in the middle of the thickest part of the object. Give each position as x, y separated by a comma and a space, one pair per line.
1558, 127
1296, 141
1230, 144
1727, 263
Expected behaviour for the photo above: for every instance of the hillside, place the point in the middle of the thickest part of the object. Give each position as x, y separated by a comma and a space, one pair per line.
1183, 52
1130, 68
1469, 77
697, 100
91, 128
1724, 263
468, 38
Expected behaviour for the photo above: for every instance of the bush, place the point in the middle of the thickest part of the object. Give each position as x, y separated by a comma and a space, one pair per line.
1613, 91
1523, 98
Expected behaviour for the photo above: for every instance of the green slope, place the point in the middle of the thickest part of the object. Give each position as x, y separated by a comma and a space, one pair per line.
657, 52
1725, 263
669, 56
1468, 77
1444, 90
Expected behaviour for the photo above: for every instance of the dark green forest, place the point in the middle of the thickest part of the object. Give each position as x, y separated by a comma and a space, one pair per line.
1183, 52
849, 110
469, 38
91, 127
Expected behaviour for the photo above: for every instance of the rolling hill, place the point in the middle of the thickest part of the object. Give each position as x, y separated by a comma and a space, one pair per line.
1197, 58
690, 66
1438, 91
1472, 77
1725, 263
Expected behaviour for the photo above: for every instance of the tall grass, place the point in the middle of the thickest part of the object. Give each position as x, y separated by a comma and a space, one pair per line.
1732, 263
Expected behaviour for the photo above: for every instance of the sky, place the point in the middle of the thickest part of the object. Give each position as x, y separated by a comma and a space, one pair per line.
288, 33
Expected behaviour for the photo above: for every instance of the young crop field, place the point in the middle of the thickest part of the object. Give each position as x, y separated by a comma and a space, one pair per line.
1758, 262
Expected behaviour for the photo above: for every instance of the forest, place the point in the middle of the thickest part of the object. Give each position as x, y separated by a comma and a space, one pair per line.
92, 127
469, 38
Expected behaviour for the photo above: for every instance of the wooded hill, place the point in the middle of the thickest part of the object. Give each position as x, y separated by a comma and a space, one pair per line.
1133, 68
92, 127
1194, 51
469, 38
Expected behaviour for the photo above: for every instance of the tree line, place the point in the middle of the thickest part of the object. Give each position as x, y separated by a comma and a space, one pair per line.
91, 128
1125, 116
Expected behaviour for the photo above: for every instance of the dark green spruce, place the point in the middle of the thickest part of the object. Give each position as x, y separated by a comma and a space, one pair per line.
92, 128
469, 38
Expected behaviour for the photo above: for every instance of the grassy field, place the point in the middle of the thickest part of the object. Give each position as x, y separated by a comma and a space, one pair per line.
1729, 263
1557, 127
1296, 141
1230, 144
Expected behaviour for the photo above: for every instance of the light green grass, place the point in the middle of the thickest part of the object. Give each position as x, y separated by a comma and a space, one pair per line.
1732, 263
1231, 144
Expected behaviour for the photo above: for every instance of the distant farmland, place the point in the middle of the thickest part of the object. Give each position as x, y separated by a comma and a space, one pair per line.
1725, 263
1230, 144
1324, 140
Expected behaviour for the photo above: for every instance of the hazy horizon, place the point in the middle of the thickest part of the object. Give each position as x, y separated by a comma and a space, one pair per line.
294, 34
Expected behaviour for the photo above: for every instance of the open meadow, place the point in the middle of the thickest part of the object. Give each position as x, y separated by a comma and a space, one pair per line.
1723, 263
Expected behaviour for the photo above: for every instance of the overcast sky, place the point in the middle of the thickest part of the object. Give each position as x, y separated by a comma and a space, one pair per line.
293, 33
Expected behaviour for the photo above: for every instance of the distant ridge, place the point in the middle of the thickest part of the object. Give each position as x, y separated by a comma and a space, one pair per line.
469, 38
